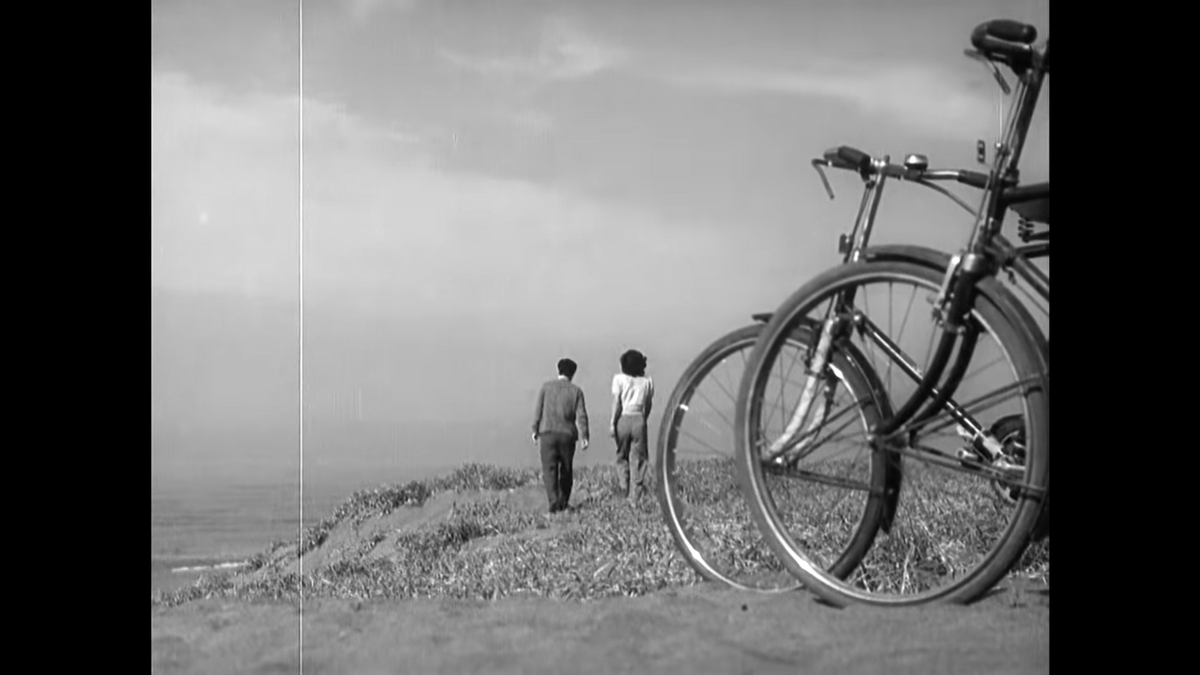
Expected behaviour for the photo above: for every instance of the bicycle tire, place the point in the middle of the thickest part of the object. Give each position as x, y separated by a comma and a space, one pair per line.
1007, 320
670, 478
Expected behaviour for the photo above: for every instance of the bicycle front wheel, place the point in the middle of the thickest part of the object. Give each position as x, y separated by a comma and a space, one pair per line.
697, 486
952, 534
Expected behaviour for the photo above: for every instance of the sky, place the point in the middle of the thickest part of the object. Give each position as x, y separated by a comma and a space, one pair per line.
383, 221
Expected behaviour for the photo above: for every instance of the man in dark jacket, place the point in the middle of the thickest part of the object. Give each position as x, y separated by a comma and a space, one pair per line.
560, 409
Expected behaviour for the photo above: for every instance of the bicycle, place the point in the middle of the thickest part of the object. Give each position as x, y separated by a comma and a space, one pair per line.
696, 481
705, 524
706, 541
906, 567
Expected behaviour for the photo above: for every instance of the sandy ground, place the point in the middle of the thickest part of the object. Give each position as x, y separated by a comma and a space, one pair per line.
700, 629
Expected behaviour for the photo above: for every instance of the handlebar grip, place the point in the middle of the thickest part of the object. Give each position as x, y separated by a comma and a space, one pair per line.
973, 178
848, 157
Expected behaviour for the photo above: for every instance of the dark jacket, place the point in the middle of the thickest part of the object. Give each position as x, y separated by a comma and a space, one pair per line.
560, 407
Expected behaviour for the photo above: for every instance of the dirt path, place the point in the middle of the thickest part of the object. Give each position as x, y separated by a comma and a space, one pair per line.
701, 629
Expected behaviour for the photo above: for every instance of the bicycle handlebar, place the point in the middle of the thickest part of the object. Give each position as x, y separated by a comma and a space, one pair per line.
853, 159
846, 157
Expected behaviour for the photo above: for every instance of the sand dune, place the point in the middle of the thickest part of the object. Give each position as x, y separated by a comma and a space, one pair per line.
700, 628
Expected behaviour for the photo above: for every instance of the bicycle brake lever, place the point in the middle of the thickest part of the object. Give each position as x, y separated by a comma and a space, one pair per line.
991, 66
817, 163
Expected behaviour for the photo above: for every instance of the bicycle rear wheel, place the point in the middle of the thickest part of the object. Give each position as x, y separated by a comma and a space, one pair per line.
697, 486
953, 535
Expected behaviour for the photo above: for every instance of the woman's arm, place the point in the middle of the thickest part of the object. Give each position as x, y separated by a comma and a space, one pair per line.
649, 398
616, 407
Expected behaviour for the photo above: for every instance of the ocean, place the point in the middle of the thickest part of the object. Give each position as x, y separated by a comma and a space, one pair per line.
202, 524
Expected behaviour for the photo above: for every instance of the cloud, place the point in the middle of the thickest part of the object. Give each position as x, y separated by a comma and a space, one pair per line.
426, 242
385, 228
530, 120
362, 9
564, 52
414, 277
224, 191
180, 107
225, 181
923, 97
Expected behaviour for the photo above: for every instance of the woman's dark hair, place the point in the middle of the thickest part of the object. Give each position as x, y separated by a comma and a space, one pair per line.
633, 363
566, 368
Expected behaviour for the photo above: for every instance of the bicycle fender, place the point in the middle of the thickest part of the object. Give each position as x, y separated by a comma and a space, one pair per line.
917, 255
940, 261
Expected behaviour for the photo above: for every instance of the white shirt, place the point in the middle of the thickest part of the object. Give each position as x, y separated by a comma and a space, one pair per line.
634, 393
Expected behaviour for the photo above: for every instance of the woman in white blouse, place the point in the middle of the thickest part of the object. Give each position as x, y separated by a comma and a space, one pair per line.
633, 396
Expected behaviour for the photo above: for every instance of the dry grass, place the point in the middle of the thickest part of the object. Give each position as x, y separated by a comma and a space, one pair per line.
488, 547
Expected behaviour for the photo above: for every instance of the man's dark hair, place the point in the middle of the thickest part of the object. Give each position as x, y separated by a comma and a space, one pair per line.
567, 367
633, 363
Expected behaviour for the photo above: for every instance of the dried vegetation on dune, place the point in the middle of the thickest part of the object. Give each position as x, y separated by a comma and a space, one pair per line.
482, 532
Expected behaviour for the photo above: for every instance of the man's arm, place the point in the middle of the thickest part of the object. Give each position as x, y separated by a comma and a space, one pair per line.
537, 412
581, 418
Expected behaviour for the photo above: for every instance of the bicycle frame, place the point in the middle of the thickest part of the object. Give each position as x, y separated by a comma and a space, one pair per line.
986, 253
981, 255
854, 244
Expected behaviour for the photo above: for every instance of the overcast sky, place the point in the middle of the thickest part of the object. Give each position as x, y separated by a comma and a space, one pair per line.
483, 187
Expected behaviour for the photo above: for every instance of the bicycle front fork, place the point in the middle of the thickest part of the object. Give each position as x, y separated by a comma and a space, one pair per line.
954, 300
787, 443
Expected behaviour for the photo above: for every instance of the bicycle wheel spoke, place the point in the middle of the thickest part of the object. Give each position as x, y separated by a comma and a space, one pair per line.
710, 450
784, 379
812, 476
